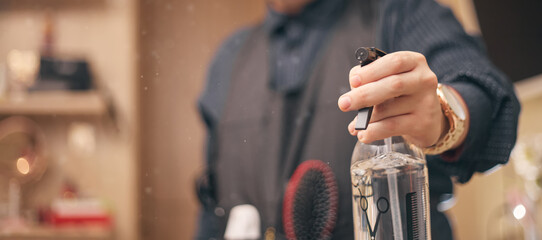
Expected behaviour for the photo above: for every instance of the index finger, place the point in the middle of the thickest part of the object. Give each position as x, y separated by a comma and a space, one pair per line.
391, 64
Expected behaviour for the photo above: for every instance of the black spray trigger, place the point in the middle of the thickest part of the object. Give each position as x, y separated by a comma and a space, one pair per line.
364, 116
366, 55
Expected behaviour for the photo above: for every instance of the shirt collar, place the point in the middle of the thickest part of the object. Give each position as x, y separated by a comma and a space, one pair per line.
315, 14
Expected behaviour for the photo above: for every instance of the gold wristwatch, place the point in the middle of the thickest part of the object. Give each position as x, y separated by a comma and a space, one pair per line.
456, 115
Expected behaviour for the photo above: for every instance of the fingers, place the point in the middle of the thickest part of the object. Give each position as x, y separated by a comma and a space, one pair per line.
354, 77
379, 91
352, 127
395, 126
394, 63
417, 117
391, 108
401, 87
394, 107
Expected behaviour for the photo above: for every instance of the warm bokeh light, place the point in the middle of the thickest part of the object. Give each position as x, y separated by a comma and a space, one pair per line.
23, 166
519, 211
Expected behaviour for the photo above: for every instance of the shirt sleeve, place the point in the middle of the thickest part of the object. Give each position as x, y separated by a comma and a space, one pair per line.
458, 60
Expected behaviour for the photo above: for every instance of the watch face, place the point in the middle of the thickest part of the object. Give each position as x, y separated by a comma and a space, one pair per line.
453, 102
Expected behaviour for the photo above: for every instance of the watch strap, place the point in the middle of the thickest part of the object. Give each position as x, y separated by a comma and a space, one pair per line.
457, 127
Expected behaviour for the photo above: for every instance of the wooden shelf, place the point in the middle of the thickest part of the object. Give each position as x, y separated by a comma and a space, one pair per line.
56, 103
52, 233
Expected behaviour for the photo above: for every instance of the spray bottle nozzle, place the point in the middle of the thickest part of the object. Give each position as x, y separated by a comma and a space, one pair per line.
366, 55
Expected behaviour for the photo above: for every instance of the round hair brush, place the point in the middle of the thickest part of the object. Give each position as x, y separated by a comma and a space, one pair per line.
310, 202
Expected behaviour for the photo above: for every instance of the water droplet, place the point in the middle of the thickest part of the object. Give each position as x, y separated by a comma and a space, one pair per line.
219, 211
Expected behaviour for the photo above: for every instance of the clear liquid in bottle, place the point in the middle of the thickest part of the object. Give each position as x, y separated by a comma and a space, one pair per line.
390, 191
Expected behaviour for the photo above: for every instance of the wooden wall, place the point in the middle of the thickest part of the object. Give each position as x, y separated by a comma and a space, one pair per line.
177, 41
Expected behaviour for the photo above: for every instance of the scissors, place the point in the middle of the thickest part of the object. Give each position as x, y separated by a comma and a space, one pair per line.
382, 205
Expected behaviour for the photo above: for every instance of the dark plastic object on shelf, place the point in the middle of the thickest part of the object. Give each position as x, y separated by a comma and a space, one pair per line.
58, 74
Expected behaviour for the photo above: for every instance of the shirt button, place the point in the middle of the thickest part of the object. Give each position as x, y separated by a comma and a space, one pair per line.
270, 233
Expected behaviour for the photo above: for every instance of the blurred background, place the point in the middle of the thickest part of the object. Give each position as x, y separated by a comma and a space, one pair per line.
100, 136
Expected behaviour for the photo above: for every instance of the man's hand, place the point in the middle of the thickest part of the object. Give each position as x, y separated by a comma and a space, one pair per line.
402, 89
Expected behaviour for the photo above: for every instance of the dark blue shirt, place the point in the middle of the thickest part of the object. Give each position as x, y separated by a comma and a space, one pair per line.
414, 25
295, 40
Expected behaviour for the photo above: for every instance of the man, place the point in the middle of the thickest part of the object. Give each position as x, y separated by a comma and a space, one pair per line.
276, 83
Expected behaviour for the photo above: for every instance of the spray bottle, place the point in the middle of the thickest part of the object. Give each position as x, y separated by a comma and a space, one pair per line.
390, 191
